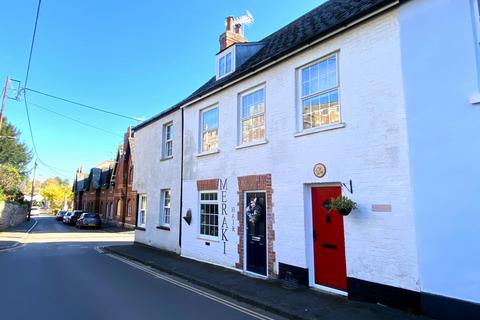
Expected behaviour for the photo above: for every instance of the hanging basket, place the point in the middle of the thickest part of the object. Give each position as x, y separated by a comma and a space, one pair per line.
344, 212
342, 205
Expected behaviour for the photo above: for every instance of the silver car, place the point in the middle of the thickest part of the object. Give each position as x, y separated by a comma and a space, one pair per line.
67, 216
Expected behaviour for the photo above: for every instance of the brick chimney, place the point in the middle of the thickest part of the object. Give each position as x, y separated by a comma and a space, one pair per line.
230, 36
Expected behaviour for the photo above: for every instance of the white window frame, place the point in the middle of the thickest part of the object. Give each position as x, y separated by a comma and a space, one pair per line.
141, 222
222, 55
166, 141
241, 117
202, 131
301, 98
164, 208
200, 202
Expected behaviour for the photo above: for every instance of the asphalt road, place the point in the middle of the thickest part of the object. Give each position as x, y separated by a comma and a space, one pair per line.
58, 274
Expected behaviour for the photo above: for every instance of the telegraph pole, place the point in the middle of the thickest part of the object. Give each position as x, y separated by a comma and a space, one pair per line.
4, 101
33, 190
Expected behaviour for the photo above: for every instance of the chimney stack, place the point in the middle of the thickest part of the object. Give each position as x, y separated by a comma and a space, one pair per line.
230, 37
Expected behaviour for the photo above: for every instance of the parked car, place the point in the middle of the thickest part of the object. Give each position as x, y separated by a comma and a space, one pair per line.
74, 217
67, 216
59, 216
89, 220
35, 211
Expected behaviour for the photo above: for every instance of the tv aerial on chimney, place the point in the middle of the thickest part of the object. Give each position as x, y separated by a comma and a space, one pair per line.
245, 20
242, 21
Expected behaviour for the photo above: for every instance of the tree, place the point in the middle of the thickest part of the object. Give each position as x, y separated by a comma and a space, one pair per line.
55, 192
12, 151
10, 181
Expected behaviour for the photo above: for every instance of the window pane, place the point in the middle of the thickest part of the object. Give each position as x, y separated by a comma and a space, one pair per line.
210, 119
166, 198
210, 140
228, 63
208, 214
169, 147
253, 123
319, 76
221, 63
253, 103
307, 119
169, 132
321, 110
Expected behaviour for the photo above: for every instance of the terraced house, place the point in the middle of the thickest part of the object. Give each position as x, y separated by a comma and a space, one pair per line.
375, 100
107, 188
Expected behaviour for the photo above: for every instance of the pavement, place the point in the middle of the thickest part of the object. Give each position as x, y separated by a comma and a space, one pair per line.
300, 303
59, 272
14, 236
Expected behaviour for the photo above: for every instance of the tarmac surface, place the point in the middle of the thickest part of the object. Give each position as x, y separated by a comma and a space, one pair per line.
59, 272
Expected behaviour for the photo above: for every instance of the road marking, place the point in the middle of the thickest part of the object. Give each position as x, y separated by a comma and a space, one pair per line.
205, 294
21, 241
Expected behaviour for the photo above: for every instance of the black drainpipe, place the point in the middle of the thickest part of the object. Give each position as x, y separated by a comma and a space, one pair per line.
181, 189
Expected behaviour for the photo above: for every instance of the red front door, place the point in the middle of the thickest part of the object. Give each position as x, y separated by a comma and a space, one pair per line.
328, 240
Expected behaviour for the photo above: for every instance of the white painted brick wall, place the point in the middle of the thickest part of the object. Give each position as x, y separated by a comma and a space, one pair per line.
371, 151
152, 174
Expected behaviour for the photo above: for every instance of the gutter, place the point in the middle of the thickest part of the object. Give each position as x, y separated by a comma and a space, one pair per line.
181, 187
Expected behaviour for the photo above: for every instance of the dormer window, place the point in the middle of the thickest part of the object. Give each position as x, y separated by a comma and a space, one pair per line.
225, 63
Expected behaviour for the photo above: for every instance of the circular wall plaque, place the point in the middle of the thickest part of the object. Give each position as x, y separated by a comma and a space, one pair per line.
319, 170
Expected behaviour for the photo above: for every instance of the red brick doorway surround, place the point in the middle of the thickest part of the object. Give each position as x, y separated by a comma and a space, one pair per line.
255, 183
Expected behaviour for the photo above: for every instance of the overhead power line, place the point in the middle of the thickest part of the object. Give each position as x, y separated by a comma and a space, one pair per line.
26, 78
55, 169
84, 105
25, 97
74, 120
33, 42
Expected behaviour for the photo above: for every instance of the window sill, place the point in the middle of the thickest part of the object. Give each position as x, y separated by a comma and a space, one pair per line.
320, 129
207, 153
140, 228
252, 144
475, 99
166, 158
167, 228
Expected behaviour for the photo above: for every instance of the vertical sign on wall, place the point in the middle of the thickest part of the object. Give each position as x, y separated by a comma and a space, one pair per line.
223, 192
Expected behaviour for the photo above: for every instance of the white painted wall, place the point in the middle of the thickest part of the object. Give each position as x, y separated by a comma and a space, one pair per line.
440, 56
152, 174
371, 150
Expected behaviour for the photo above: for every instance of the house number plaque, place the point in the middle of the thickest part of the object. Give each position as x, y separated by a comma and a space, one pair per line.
319, 170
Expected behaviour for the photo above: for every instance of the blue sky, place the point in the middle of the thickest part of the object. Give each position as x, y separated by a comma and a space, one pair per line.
131, 57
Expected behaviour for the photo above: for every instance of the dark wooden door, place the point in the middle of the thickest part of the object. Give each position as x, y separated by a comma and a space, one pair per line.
255, 219
328, 240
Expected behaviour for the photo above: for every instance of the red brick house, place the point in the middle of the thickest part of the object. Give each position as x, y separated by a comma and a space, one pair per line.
107, 189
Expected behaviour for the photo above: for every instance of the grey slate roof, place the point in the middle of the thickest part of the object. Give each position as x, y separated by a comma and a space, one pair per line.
326, 18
